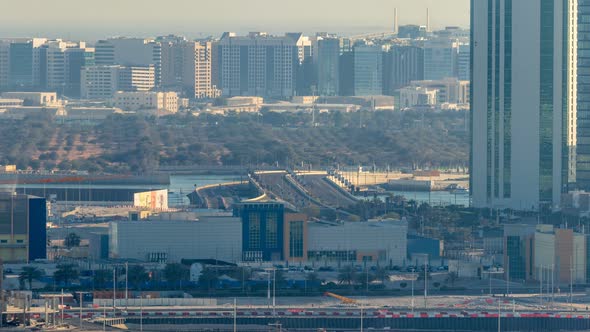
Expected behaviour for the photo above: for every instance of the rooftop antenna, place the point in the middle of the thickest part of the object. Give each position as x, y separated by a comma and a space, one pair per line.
427, 19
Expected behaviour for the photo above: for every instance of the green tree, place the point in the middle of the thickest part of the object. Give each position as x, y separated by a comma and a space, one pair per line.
30, 273
137, 276
72, 240
175, 273
65, 273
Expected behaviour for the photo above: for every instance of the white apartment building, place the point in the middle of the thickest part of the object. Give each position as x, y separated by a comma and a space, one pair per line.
197, 70
136, 101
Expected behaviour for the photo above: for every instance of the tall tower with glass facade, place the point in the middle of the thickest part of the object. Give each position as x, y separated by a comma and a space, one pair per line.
523, 102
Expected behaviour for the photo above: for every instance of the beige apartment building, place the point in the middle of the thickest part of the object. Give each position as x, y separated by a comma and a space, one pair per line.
138, 101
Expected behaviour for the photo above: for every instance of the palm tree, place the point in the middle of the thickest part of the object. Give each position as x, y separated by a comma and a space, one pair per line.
65, 273
30, 273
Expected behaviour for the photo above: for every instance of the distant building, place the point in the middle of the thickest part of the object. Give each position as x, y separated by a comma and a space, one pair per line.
102, 81
24, 63
170, 241
403, 64
4, 65
561, 253
130, 52
412, 31
440, 59
259, 64
519, 251
368, 70
187, 67
296, 237
23, 235
33, 98
328, 66
375, 242
449, 90
262, 230
413, 96
165, 102
464, 62
137, 78
99, 82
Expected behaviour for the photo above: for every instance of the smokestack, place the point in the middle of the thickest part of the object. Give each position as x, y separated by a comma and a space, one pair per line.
395, 23
427, 19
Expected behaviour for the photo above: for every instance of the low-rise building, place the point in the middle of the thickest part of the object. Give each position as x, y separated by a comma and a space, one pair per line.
34, 98
375, 242
560, 254
137, 101
171, 241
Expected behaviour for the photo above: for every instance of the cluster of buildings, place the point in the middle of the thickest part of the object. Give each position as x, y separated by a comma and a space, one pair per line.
256, 64
260, 232
544, 252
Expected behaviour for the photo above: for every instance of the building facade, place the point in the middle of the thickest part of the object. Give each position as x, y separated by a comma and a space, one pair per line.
262, 229
368, 70
378, 242
328, 66
134, 101
23, 236
521, 109
440, 58
258, 65
171, 241
403, 64
131, 52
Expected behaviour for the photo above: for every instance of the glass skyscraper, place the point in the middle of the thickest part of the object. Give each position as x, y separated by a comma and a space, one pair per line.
523, 102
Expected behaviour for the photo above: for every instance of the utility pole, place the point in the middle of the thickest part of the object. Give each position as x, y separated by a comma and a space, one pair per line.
141, 312
114, 288
426, 282
235, 314
126, 285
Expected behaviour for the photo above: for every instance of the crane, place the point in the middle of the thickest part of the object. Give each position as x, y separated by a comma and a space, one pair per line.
342, 299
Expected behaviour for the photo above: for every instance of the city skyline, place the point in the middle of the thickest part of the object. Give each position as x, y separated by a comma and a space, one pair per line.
230, 15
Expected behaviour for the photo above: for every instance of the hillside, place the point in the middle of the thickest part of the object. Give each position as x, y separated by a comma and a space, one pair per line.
137, 144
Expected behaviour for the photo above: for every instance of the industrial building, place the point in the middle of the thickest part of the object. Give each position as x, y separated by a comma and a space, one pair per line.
218, 238
379, 242
23, 236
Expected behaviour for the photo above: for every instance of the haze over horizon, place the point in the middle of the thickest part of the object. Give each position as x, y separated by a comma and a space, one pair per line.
89, 20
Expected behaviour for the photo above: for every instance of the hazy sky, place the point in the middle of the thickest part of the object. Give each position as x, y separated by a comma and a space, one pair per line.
99, 18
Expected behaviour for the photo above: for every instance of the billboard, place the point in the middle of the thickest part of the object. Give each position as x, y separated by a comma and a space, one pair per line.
153, 200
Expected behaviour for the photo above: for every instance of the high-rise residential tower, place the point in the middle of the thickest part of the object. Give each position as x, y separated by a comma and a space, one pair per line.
523, 112
259, 64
